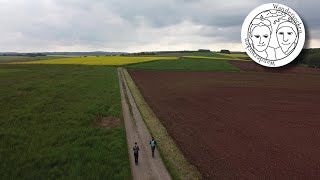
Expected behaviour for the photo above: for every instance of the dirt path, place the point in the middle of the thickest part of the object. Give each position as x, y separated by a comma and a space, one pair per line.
136, 130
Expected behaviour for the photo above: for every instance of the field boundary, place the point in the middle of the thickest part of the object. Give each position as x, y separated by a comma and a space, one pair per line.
177, 164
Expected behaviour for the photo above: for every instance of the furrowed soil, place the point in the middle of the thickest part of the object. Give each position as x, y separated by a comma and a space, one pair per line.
290, 68
240, 125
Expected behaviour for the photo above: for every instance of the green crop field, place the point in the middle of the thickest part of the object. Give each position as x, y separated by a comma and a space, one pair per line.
191, 64
211, 54
49, 123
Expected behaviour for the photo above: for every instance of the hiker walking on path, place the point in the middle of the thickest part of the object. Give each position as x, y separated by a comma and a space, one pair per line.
136, 152
153, 144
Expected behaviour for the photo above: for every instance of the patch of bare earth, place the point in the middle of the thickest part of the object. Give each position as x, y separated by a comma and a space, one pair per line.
107, 122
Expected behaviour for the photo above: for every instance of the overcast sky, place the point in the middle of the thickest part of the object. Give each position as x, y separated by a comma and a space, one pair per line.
135, 25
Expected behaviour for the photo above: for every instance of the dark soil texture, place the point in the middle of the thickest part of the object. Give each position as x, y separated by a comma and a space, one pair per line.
290, 68
240, 125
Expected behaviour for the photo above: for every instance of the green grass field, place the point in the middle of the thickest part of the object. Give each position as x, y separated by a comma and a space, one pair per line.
48, 126
26, 58
211, 54
191, 64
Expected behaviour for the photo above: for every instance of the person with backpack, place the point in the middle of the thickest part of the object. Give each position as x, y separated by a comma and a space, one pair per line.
153, 144
136, 152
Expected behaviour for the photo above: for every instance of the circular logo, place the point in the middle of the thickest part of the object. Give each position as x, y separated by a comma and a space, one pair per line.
273, 35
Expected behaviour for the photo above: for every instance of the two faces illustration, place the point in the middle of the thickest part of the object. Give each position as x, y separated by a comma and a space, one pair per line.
272, 40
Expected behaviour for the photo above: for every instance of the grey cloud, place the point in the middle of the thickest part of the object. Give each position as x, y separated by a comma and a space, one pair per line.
37, 25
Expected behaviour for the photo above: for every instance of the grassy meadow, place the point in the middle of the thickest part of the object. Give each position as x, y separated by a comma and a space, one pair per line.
49, 123
237, 55
217, 56
102, 60
210, 54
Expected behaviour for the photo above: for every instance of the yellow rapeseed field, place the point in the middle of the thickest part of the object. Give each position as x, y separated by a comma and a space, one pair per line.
103, 60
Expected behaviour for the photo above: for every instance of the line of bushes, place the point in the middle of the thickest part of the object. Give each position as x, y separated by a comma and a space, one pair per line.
309, 57
24, 54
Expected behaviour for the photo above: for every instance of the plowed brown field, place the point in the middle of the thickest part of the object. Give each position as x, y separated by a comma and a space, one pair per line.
290, 68
240, 125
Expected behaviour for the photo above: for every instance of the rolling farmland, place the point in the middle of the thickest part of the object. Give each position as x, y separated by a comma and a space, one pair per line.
103, 60
159, 90
63, 118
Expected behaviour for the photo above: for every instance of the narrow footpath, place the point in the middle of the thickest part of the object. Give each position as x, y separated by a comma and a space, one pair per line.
136, 130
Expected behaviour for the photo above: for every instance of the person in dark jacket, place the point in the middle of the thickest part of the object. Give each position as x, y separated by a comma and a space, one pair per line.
153, 144
136, 152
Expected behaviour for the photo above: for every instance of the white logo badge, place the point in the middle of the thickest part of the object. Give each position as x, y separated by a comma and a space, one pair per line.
273, 35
